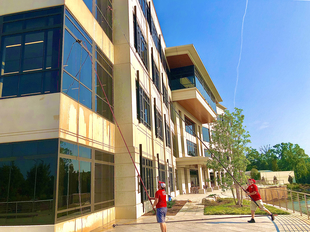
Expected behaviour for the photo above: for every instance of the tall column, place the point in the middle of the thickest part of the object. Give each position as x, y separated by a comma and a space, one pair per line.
182, 180
208, 180
216, 186
188, 180
200, 179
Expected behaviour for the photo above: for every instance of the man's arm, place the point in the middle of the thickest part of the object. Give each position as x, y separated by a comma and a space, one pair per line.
155, 202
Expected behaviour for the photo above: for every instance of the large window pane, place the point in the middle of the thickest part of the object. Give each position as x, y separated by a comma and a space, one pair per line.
106, 82
85, 182
85, 152
30, 83
53, 49
9, 86
13, 27
103, 109
51, 82
33, 51
86, 69
68, 184
27, 182
102, 156
72, 54
104, 182
11, 52
85, 96
68, 148
70, 86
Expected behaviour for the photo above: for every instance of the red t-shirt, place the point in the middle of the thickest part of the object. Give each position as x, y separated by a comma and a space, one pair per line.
253, 188
162, 201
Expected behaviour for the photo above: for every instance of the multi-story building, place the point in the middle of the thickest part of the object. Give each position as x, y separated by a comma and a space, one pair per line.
65, 143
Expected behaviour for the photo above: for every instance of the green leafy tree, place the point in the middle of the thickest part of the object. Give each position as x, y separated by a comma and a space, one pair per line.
255, 174
229, 145
292, 157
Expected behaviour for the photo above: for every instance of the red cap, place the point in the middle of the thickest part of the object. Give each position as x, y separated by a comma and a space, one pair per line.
253, 180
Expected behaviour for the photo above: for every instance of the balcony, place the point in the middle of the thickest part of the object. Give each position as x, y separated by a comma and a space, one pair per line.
191, 84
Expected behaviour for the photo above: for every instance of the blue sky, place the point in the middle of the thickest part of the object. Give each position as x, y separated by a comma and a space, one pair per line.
273, 85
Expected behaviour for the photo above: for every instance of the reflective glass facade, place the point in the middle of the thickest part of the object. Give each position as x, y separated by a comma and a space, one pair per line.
30, 54
27, 182
189, 77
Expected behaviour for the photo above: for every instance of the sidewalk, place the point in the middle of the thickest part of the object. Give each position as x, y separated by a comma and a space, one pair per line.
194, 210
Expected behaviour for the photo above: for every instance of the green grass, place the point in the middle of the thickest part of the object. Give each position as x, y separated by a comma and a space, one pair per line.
226, 206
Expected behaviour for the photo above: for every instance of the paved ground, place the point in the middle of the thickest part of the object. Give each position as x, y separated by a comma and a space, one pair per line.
220, 223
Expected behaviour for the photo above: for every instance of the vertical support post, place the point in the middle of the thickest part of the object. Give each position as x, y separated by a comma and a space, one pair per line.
272, 197
292, 201
306, 203
286, 199
299, 204
279, 198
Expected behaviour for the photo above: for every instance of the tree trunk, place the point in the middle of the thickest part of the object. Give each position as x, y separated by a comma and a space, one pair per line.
232, 191
237, 194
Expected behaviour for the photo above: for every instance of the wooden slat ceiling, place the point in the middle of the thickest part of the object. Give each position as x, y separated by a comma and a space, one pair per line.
197, 110
179, 61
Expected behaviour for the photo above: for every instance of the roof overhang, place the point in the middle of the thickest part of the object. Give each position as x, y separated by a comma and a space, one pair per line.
192, 101
191, 161
186, 55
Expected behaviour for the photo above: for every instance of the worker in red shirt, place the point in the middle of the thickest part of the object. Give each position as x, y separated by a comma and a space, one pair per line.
161, 205
252, 191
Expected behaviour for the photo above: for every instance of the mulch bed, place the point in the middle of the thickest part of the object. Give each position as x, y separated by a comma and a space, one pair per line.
170, 211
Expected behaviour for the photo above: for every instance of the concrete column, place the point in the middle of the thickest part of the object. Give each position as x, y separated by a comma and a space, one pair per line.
208, 181
182, 180
216, 186
188, 180
200, 179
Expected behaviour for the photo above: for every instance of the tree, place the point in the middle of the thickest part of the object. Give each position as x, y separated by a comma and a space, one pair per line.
255, 174
229, 145
291, 157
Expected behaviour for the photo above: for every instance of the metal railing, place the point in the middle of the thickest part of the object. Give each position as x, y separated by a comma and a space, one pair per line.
287, 199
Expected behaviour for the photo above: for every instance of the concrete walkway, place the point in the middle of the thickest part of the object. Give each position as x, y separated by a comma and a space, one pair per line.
194, 211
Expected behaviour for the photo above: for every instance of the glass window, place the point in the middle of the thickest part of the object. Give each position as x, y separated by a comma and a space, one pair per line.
9, 86
70, 86
103, 156
53, 49
36, 48
147, 178
84, 152
85, 72
106, 82
27, 182
51, 82
190, 126
85, 182
13, 27
103, 109
158, 125
68, 148
85, 96
30, 83
68, 184
191, 148
77, 30
104, 16
11, 53
104, 182
72, 54
205, 134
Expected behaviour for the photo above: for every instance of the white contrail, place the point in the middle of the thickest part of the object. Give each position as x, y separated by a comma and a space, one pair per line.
246, 7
